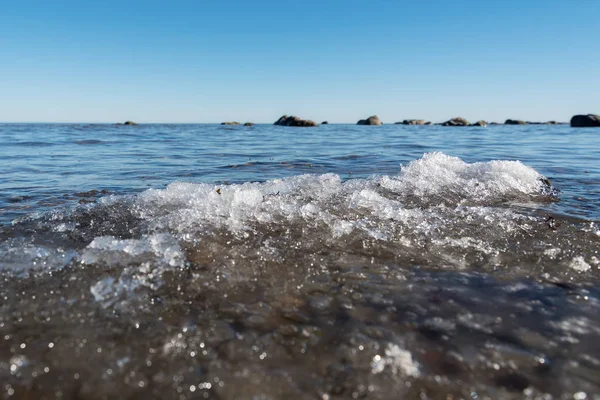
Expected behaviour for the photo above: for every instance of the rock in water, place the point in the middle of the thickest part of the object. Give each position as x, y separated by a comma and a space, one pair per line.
129, 123
458, 121
514, 122
480, 123
585, 121
372, 120
324, 123
413, 122
248, 124
230, 123
294, 121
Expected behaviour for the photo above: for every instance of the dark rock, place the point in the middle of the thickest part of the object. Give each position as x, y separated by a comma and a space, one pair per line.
480, 123
456, 122
129, 123
324, 123
294, 121
372, 120
230, 123
428, 123
514, 122
494, 123
248, 124
585, 121
412, 122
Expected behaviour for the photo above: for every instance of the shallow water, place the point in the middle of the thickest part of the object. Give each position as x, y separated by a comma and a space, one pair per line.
201, 261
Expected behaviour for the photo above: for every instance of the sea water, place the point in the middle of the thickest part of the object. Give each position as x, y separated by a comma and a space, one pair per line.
265, 262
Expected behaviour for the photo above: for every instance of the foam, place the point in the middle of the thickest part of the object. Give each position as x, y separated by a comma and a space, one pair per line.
438, 201
343, 206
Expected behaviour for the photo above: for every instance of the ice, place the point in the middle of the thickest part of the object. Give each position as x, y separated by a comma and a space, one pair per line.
579, 264
109, 250
398, 360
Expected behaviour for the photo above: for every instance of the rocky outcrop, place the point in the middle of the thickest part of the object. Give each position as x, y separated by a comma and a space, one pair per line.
456, 122
480, 123
585, 121
412, 122
248, 124
324, 123
233, 123
129, 123
294, 121
372, 120
514, 122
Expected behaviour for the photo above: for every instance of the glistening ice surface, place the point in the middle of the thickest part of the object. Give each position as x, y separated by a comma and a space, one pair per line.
435, 276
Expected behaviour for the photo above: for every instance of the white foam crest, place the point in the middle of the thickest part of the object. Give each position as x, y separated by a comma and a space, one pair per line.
381, 207
187, 207
437, 174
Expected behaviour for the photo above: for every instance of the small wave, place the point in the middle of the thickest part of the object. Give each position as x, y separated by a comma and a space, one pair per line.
87, 142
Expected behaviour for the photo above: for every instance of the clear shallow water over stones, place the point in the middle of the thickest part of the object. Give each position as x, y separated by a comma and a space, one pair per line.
200, 261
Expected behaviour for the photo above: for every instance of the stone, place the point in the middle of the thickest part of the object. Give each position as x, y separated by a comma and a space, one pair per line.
294, 121
129, 123
480, 123
372, 120
248, 124
412, 122
585, 121
514, 122
324, 123
230, 123
456, 122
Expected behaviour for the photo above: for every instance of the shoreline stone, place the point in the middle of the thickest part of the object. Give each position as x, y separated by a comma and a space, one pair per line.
458, 121
515, 122
585, 121
412, 122
372, 120
232, 123
294, 121
481, 123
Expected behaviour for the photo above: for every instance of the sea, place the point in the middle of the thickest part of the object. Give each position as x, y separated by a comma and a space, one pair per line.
201, 261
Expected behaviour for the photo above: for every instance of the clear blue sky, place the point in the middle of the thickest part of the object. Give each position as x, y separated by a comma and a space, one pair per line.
211, 61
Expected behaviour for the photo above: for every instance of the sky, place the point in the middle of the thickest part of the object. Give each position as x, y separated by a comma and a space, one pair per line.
213, 61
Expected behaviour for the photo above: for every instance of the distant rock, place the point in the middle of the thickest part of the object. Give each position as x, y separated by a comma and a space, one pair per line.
480, 123
412, 122
585, 121
230, 123
456, 122
324, 123
494, 123
428, 123
294, 121
372, 120
129, 123
248, 124
514, 122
